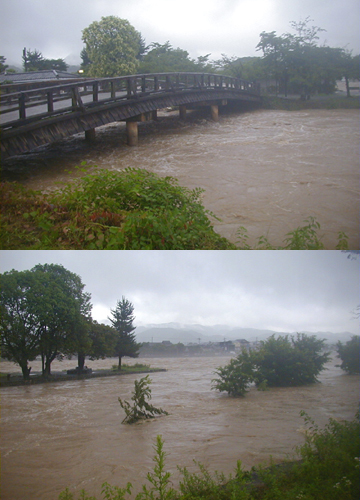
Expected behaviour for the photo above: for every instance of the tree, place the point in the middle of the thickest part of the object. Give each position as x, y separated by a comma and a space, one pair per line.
165, 59
103, 339
235, 377
122, 320
19, 325
35, 61
246, 68
112, 46
349, 354
3, 66
278, 362
297, 64
61, 307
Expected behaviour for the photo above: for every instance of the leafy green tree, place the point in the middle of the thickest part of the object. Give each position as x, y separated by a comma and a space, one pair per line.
122, 320
35, 61
165, 59
19, 325
282, 362
236, 376
350, 67
298, 65
112, 46
61, 308
246, 68
103, 339
3, 66
349, 354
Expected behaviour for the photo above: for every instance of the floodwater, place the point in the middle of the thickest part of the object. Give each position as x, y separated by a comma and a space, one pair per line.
69, 434
265, 170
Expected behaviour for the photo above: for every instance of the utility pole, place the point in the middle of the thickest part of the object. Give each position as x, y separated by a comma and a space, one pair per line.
25, 59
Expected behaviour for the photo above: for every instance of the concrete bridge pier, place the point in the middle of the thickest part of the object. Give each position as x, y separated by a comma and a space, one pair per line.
182, 112
132, 132
214, 112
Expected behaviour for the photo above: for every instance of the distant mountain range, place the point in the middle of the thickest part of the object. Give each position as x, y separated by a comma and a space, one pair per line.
186, 334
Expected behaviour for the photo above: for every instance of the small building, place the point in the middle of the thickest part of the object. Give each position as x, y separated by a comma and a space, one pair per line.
240, 343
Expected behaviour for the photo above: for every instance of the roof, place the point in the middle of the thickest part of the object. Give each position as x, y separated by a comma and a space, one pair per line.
36, 76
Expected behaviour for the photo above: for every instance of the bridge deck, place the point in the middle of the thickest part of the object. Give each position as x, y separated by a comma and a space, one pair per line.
33, 117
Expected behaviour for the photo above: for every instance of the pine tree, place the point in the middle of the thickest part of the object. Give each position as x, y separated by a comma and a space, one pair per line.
122, 320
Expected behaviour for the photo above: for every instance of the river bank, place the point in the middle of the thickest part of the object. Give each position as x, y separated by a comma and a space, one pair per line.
14, 380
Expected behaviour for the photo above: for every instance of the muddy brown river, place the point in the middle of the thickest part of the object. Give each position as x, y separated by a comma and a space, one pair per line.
69, 434
265, 170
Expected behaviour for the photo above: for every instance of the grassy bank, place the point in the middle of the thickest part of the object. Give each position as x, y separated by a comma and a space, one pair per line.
131, 209
127, 210
326, 467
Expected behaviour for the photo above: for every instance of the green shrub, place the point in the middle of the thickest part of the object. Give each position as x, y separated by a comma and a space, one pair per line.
236, 376
131, 209
349, 353
278, 362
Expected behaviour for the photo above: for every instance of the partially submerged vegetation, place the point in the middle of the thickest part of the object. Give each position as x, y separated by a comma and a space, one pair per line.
277, 362
140, 408
128, 210
326, 467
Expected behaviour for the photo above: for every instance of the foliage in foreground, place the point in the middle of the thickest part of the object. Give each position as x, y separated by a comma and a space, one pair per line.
328, 469
349, 353
140, 408
278, 362
128, 210
131, 209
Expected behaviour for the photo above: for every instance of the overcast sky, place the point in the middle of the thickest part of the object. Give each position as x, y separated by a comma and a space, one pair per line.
284, 291
198, 26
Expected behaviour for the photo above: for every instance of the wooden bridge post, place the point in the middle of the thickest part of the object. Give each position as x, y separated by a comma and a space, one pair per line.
132, 133
215, 112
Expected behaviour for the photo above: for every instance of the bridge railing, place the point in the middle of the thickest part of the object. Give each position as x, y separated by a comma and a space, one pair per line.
22, 107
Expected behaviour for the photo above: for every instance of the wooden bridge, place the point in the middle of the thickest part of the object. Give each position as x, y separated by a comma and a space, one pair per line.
36, 114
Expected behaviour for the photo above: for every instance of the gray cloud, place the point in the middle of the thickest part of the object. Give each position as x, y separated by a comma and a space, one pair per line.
278, 290
200, 27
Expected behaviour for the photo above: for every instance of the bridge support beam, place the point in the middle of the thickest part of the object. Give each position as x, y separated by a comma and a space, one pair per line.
132, 133
182, 112
214, 112
90, 135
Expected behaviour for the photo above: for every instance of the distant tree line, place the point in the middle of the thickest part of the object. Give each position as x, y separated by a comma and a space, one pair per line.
45, 312
291, 63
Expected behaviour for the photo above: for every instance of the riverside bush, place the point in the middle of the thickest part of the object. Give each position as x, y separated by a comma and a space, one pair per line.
278, 362
131, 209
326, 467
349, 354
